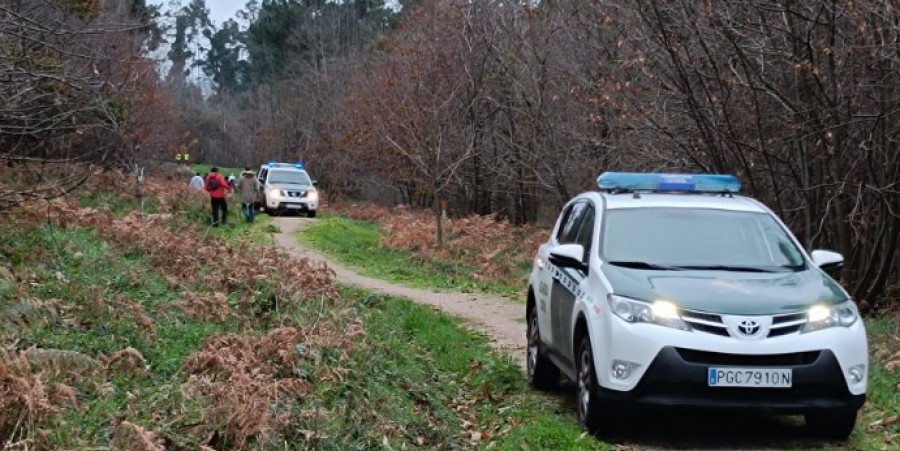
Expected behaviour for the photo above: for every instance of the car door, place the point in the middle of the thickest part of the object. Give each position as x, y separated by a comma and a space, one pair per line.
545, 277
261, 185
566, 281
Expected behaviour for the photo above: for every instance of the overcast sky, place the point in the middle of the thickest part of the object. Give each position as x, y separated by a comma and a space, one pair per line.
219, 10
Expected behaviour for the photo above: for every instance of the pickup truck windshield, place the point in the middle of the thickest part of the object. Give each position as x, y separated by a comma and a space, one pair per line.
685, 238
288, 177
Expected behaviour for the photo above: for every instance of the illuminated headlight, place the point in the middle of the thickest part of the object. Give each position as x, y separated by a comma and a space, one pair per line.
663, 313
821, 316
312, 195
274, 193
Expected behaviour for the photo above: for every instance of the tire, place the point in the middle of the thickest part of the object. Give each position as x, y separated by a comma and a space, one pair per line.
834, 424
311, 214
587, 402
541, 373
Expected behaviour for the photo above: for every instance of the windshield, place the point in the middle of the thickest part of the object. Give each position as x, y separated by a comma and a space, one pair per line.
683, 238
288, 177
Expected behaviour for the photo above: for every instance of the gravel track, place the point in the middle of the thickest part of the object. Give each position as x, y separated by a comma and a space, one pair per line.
490, 315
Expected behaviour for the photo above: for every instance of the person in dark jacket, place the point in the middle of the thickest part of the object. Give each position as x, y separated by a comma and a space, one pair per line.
217, 187
247, 188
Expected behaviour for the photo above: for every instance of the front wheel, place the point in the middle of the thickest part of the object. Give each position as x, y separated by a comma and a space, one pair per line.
589, 410
311, 214
542, 374
836, 424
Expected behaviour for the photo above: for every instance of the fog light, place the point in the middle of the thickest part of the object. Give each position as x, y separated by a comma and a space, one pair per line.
857, 373
621, 369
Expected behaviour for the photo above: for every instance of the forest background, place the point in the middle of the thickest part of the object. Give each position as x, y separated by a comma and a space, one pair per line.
500, 108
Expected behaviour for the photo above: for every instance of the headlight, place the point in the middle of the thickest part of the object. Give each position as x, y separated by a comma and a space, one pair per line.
822, 316
274, 193
312, 195
663, 313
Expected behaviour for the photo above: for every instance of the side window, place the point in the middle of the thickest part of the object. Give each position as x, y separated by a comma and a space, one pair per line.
568, 229
262, 175
567, 213
586, 230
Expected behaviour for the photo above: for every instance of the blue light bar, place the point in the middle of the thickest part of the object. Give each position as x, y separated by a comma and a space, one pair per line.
685, 183
299, 165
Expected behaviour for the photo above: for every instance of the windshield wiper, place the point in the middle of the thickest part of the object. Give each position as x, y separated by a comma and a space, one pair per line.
726, 268
644, 265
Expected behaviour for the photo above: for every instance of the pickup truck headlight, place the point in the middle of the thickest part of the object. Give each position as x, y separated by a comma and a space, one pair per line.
312, 195
663, 313
821, 316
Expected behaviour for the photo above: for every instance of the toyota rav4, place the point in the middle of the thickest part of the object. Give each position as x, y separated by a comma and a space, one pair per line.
672, 290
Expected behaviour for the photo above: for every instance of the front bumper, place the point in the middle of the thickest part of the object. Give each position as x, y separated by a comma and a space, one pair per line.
291, 204
677, 377
641, 344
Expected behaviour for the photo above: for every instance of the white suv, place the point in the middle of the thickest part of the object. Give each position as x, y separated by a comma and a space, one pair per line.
672, 290
287, 187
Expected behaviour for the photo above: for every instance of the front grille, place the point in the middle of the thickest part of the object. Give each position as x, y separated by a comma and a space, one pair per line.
296, 194
787, 324
762, 360
705, 322
717, 330
712, 323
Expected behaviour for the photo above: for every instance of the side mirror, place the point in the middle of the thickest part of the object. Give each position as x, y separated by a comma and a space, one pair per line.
315, 183
568, 256
827, 260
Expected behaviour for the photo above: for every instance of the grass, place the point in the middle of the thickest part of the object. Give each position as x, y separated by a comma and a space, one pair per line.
204, 169
431, 383
415, 378
356, 243
77, 267
884, 386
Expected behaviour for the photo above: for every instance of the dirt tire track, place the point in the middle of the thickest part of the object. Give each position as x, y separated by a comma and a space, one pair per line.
491, 315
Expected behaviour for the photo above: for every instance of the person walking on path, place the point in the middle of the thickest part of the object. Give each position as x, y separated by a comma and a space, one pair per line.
217, 187
246, 187
197, 181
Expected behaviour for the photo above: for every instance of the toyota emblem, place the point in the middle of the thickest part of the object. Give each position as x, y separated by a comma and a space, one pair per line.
748, 327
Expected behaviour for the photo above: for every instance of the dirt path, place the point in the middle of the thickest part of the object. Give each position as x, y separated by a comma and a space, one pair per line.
491, 315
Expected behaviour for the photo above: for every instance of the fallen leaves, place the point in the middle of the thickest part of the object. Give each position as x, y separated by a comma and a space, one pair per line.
893, 362
252, 384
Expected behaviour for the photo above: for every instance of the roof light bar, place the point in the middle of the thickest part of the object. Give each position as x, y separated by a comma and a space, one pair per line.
275, 164
668, 182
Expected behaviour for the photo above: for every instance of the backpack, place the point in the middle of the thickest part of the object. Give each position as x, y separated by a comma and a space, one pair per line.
212, 184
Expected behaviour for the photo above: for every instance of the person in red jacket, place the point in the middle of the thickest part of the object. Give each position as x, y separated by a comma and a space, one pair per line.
216, 186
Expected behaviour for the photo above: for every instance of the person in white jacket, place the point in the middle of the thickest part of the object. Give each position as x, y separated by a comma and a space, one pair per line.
197, 181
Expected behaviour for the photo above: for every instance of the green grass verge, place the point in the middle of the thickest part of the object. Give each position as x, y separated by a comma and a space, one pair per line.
357, 243
884, 387
93, 282
430, 383
204, 169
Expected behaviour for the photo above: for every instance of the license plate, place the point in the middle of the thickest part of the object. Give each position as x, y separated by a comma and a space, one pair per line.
295, 206
750, 377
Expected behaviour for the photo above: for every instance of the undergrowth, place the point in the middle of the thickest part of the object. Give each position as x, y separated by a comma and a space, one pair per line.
368, 245
155, 332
